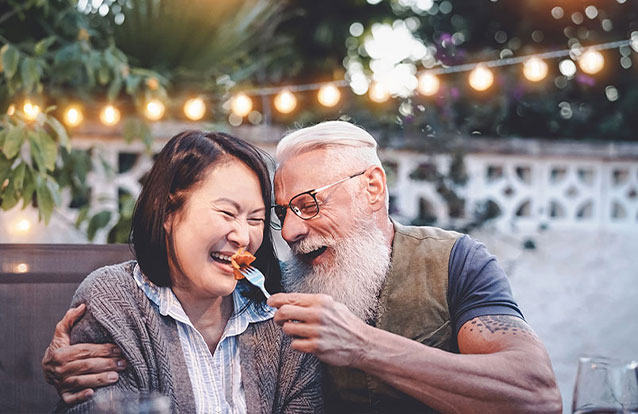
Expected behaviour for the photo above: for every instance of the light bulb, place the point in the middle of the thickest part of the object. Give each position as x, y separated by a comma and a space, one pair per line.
11, 110
154, 110
481, 78
591, 62
535, 69
73, 116
195, 109
329, 95
285, 101
241, 105
30, 110
429, 84
110, 115
378, 93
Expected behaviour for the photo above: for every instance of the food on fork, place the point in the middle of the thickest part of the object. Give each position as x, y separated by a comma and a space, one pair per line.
240, 261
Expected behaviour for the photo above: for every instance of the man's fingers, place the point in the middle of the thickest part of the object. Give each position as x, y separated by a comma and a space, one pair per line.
85, 351
81, 382
63, 328
294, 313
91, 366
73, 398
299, 330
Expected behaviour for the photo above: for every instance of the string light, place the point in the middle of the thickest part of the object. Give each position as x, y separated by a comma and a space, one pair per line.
429, 84
329, 95
378, 93
481, 78
21, 268
535, 69
285, 102
30, 110
73, 116
154, 110
110, 115
195, 109
23, 225
11, 110
241, 105
591, 62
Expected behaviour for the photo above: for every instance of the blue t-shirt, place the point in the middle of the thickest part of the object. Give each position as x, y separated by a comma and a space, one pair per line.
477, 285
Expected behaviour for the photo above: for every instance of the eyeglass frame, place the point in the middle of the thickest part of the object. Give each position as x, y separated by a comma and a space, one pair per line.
312, 193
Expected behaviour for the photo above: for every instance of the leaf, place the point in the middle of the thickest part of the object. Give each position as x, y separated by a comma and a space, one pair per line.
45, 201
49, 150
18, 176
29, 73
103, 75
37, 152
13, 141
135, 128
114, 88
60, 131
98, 221
10, 58
3, 135
43, 45
84, 212
28, 187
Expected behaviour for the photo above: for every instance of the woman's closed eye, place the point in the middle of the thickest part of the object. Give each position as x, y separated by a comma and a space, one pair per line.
256, 220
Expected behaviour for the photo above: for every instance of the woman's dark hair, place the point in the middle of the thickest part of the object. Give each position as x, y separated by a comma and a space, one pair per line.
180, 165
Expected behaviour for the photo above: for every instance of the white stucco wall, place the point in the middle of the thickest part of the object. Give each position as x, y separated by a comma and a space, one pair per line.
578, 290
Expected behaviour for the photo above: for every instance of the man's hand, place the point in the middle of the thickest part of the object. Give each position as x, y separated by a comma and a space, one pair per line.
321, 326
74, 369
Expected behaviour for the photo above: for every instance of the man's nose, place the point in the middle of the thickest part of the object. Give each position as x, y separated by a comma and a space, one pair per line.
293, 228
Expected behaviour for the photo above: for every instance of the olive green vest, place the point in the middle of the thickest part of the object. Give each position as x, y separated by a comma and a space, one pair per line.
413, 304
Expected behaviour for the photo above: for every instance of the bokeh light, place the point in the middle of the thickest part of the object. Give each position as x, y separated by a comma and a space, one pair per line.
31, 110
110, 115
591, 62
429, 84
73, 116
285, 102
241, 105
535, 69
567, 68
154, 110
329, 95
481, 78
195, 109
378, 92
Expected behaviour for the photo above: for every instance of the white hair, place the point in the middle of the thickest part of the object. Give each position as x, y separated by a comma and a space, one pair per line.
345, 141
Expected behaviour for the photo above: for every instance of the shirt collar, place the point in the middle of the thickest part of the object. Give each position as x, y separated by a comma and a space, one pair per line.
169, 305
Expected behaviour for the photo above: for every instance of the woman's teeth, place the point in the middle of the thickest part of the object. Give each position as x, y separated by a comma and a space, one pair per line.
220, 257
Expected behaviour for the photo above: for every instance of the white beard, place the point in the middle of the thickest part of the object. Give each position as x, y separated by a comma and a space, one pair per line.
353, 277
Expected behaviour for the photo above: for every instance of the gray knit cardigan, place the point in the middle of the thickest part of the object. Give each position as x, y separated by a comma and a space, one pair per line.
276, 378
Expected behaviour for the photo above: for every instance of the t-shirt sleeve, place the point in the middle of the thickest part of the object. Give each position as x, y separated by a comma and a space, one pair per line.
477, 284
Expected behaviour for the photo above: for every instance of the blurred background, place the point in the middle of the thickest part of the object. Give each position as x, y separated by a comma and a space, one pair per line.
514, 121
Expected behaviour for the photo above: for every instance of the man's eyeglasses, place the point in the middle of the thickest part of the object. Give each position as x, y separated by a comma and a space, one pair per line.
304, 205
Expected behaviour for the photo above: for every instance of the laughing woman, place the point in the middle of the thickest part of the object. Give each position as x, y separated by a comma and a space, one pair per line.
187, 328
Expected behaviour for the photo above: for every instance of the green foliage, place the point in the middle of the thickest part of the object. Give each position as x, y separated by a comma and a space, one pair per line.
51, 51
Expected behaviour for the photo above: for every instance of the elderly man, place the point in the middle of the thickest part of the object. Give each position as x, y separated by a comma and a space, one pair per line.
406, 319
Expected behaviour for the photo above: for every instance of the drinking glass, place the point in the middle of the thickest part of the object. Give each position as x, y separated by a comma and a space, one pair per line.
606, 386
121, 403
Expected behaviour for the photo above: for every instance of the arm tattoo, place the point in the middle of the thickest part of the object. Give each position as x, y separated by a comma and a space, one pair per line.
501, 323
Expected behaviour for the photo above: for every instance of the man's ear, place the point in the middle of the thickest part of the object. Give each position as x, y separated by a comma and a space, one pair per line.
376, 187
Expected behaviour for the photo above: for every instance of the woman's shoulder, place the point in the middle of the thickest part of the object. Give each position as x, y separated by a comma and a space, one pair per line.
111, 280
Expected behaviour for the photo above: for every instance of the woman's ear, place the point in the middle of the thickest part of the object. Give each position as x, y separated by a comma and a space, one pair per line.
168, 223
376, 187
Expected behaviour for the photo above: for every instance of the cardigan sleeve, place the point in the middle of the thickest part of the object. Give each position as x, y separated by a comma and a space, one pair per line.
89, 330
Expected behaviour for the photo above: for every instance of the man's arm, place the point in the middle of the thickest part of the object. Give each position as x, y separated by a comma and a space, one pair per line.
500, 370
75, 369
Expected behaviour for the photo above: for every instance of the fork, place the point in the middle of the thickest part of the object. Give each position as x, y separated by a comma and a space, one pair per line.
254, 276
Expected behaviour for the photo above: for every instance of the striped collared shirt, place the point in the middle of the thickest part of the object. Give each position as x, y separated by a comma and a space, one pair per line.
216, 378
